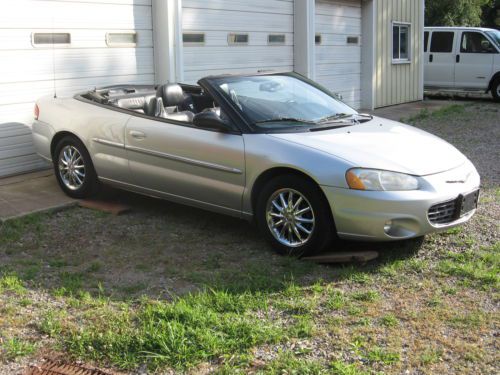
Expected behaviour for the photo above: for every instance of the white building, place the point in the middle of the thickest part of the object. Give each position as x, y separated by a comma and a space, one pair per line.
369, 52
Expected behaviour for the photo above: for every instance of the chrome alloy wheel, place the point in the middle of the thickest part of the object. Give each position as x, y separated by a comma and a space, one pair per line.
290, 217
71, 167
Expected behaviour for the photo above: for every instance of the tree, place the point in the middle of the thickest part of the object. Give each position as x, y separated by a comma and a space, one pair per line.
455, 12
491, 15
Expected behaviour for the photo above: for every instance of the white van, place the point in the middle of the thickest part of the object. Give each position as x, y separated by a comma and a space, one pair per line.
462, 59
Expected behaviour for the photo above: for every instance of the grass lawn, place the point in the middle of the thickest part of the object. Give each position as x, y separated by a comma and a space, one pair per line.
171, 289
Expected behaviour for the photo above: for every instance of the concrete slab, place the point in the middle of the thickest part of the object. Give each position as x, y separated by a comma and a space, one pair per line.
406, 110
30, 193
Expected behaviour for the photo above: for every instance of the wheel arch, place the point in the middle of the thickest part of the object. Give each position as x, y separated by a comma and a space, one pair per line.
271, 173
493, 79
60, 135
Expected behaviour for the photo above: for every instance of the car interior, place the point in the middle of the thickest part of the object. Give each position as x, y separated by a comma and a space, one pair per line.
169, 101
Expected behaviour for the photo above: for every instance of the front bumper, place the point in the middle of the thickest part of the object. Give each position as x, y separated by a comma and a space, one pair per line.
397, 215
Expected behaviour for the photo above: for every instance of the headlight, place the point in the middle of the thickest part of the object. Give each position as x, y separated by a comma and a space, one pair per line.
373, 179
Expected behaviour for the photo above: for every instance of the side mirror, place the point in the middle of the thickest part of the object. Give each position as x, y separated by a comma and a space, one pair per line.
210, 120
486, 46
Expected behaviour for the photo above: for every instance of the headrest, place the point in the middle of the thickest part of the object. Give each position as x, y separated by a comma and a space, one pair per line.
171, 94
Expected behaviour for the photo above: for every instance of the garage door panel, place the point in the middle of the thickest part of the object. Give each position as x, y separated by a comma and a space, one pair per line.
339, 8
268, 6
74, 15
219, 20
216, 19
20, 39
27, 91
336, 69
338, 25
219, 39
74, 63
326, 54
197, 58
338, 64
28, 71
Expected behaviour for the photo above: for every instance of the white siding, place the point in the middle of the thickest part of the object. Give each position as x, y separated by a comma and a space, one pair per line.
217, 18
28, 72
338, 64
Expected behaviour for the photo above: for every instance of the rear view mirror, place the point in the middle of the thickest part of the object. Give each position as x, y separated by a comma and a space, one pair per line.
271, 86
210, 120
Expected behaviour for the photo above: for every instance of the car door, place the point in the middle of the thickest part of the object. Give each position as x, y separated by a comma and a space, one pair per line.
440, 64
190, 165
474, 61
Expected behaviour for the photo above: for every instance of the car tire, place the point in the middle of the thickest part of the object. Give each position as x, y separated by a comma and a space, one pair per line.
74, 169
311, 214
495, 90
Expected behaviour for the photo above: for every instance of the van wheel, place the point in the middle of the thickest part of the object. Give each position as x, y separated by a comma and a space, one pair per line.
294, 216
74, 169
495, 90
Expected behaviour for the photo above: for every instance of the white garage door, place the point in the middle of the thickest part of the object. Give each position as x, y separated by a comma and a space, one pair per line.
338, 48
236, 36
102, 50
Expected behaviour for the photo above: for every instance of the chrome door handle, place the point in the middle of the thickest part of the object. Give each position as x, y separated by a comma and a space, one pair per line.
137, 135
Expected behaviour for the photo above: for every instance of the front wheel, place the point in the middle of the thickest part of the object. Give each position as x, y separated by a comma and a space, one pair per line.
294, 216
495, 90
74, 169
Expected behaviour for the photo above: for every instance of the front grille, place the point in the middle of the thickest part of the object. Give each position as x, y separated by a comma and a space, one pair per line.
443, 213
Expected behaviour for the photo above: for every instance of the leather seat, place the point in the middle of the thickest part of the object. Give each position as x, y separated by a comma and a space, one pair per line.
168, 99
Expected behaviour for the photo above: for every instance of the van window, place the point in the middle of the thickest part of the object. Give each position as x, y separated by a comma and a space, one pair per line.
474, 42
426, 40
442, 41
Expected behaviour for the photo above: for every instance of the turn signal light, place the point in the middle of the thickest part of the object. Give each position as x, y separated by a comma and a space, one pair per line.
37, 111
354, 181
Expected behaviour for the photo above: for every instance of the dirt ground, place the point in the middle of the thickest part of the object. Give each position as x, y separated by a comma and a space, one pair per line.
160, 250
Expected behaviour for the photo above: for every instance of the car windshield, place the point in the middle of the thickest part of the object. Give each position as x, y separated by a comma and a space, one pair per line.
282, 101
495, 35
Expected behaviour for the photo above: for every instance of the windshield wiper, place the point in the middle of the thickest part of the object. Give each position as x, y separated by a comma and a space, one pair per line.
329, 127
343, 116
286, 119
336, 116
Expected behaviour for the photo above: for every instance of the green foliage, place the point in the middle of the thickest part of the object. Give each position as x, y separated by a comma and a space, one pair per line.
16, 348
455, 12
288, 363
11, 283
481, 266
181, 334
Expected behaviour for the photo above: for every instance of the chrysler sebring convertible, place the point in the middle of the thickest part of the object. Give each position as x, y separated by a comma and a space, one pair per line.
275, 148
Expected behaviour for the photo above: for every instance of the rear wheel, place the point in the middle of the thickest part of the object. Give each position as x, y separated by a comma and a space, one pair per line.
294, 216
495, 89
74, 169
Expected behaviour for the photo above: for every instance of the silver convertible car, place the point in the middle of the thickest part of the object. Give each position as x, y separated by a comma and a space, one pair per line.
277, 148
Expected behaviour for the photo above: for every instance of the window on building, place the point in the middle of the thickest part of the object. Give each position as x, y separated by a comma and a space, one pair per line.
317, 39
43, 39
276, 39
400, 42
121, 39
193, 38
237, 39
426, 40
352, 40
442, 41
474, 42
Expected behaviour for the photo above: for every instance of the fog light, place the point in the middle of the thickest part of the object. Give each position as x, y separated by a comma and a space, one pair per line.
388, 226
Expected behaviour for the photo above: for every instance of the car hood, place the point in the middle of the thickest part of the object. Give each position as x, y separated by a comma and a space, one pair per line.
383, 144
